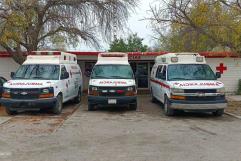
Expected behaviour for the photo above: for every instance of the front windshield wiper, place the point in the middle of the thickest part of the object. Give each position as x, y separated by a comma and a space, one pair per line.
116, 76
38, 77
96, 77
200, 78
180, 79
19, 77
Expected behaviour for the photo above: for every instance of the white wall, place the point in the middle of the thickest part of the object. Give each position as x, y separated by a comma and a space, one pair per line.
7, 65
231, 76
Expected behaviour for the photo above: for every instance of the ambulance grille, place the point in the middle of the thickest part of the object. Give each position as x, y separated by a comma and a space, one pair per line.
200, 91
112, 91
25, 93
205, 98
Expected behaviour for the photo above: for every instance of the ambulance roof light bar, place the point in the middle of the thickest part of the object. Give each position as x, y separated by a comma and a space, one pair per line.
113, 57
114, 54
42, 58
182, 58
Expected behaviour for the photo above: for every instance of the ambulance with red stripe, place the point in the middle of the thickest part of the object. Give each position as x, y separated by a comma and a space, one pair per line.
183, 81
112, 82
43, 82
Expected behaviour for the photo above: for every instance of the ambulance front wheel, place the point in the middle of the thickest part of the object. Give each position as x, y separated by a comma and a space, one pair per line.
91, 107
153, 99
218, 112
168, 111
58, 105
10, 112
133, 106
77, 99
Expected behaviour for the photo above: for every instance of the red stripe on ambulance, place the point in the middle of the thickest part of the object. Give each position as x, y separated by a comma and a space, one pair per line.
160, 83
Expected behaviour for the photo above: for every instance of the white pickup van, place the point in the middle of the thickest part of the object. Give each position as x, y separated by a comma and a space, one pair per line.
43, 82
112, 82
183, 81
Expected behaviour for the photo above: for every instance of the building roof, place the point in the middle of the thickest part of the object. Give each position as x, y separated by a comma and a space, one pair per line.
79, 53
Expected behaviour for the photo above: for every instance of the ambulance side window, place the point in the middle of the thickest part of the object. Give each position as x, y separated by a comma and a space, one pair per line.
158, 71
161, 72
63, 72
164, 72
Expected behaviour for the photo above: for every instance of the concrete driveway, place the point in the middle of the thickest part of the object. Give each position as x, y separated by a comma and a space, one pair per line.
122, 135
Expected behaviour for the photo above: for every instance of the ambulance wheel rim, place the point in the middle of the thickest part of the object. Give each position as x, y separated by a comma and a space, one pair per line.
59, 105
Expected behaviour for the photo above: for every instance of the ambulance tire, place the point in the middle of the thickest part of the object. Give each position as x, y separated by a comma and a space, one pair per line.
168, 111
91, 107
218, 113
77, 99
133, 106
10, 112
153, 99
57, 109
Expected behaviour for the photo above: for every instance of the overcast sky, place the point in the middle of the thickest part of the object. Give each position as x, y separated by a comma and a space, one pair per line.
135, 25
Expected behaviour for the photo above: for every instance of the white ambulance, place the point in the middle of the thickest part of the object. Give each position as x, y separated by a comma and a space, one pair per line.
112, 82
183, 81
43, 82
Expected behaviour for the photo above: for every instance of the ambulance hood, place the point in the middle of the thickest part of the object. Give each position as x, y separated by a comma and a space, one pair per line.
112, 82
29, 83
197, 84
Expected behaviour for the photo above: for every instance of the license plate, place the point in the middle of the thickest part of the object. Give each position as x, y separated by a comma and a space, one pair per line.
111, 101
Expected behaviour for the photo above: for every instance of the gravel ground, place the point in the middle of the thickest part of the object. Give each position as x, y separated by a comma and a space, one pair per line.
120, 135
234, 107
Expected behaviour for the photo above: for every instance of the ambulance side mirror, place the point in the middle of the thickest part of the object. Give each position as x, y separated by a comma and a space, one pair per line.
12, 75
218, 75
65, 76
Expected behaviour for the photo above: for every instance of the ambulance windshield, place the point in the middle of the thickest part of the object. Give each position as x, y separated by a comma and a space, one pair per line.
112, 72
180, 72
38, 71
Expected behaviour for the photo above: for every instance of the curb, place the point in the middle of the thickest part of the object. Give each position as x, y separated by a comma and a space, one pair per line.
233, 115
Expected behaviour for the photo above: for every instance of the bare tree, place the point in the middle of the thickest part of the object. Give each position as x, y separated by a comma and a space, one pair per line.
217, 19
26, 25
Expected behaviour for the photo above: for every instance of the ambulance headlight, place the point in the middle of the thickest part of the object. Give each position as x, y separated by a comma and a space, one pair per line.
94, 88
47, 93
7, 91
45, 90
133, 88
177, 90
93, 91
221, 90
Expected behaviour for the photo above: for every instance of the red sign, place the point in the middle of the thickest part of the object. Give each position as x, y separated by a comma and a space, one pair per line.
221, 68
134, 57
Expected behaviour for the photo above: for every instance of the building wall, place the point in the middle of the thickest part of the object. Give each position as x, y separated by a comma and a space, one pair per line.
232, 75
7, 65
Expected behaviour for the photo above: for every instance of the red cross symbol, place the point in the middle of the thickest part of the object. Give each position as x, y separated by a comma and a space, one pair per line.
221, 68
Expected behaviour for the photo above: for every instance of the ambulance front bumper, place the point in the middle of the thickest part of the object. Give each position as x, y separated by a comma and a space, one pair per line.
198, 105
31, 104
102, 100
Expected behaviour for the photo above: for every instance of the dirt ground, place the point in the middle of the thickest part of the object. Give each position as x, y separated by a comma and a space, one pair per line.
234, 107
117, 134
